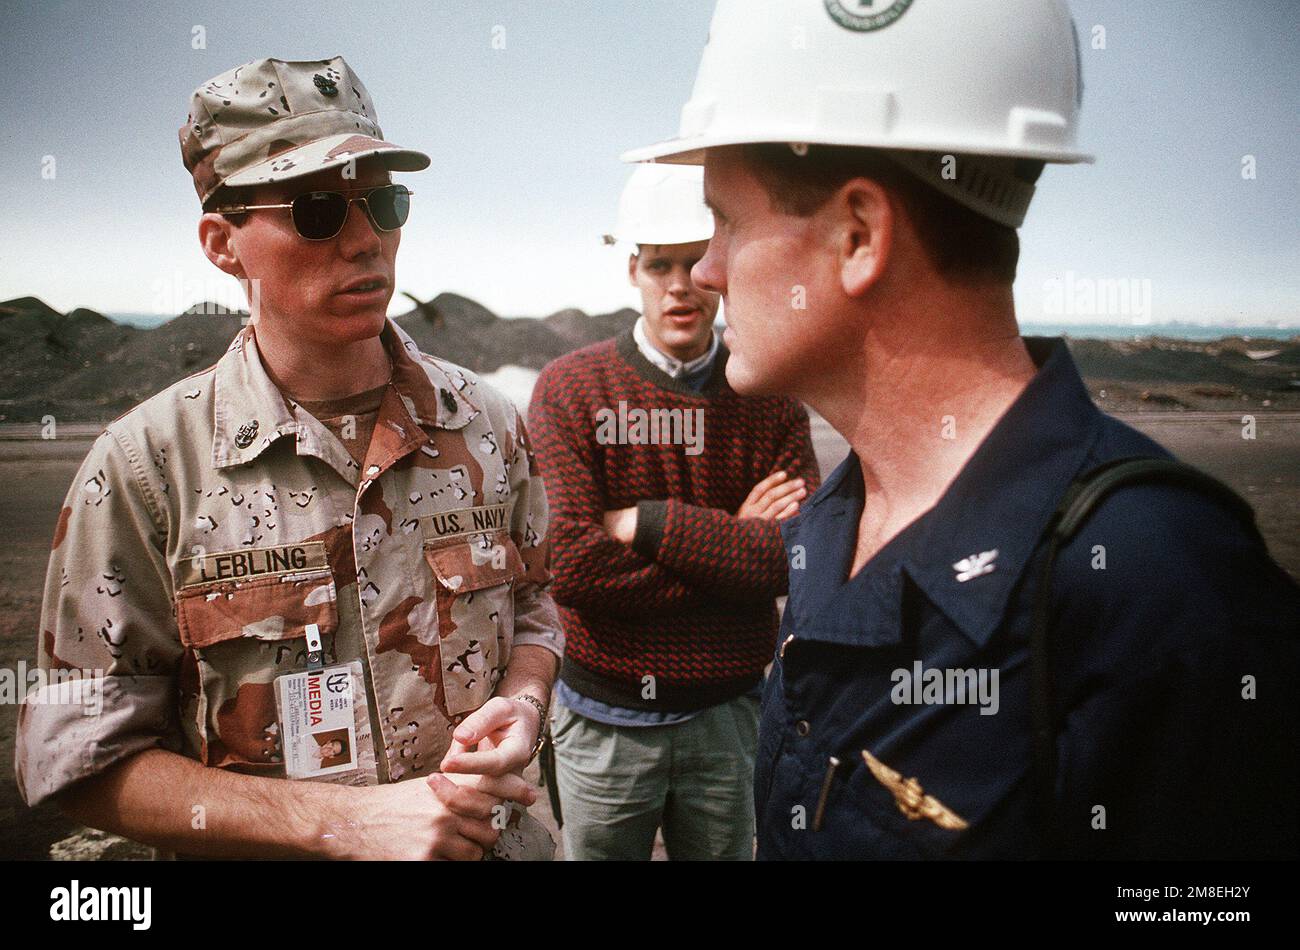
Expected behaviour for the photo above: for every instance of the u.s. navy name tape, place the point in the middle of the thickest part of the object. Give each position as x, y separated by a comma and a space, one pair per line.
463, 521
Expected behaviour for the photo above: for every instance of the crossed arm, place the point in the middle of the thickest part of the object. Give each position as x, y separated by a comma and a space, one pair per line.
651, 556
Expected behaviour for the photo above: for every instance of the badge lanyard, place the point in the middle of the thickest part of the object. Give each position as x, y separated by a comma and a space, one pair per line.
315, 652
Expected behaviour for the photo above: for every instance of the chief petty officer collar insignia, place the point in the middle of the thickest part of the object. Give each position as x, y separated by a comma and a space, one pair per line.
975, 565
245, 434
910, 797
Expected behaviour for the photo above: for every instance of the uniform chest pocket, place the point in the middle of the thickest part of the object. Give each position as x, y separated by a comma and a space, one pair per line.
474, 588
243, 633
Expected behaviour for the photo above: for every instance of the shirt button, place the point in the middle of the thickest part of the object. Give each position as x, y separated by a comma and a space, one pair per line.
802, 727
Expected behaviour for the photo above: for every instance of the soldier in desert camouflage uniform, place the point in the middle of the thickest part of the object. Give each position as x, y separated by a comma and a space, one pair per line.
212, 524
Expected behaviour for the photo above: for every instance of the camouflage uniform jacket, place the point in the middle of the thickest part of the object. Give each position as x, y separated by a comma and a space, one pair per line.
211, 523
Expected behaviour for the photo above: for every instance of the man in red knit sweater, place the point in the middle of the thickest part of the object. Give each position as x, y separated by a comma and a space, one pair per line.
666, 489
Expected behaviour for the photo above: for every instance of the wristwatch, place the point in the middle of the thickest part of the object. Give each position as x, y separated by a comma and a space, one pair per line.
541, 723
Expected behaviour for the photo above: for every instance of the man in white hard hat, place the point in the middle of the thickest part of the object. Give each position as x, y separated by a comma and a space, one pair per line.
867, 170
666, 491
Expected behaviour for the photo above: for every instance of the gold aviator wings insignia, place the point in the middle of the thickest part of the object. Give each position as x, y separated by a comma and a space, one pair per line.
911, 798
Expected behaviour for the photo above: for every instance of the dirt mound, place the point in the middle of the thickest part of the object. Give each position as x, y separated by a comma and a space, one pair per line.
41, 348
577, 329
1164, 373
81, 366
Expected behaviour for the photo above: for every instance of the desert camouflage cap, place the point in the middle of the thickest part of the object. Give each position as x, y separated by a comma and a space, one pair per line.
271, 119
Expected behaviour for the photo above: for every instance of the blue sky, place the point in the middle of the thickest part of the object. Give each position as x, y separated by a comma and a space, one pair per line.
525, 143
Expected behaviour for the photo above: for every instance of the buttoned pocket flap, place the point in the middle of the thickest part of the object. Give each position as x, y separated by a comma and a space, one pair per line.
461, 566
265, 608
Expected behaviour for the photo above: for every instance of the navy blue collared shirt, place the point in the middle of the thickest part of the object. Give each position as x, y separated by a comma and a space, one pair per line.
1175, 652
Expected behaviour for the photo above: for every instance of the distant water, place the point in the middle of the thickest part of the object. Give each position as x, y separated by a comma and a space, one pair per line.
1178, 331
1079, 331
145, 320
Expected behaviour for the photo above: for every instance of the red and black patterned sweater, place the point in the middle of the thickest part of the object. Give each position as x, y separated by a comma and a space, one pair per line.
692, 602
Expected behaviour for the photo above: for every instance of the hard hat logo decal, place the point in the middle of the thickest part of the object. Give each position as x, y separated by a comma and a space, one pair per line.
866, 15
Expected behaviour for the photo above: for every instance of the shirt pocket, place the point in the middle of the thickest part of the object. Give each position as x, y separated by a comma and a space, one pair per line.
474, 590
932, 814
243, 634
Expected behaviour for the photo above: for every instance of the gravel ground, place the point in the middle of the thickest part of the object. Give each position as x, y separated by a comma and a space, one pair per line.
37, 473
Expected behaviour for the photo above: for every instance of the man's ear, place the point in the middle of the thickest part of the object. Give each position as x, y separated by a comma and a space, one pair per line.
631, 266
865, 227
217, 237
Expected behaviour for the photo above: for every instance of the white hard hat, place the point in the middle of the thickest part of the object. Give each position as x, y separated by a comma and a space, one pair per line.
974, 77
663, 204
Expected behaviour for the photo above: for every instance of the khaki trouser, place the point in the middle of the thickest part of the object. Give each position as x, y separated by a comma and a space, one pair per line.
695, 779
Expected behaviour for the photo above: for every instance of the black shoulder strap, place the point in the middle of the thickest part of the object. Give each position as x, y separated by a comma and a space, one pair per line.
1080, 500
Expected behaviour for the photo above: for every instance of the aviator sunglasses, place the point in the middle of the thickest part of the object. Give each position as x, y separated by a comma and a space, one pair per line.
320, 215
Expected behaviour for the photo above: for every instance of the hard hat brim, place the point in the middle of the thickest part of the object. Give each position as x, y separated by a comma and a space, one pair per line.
660, 238
690, 151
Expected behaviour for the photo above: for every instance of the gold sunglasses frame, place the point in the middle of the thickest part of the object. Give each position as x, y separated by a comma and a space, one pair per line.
361, 195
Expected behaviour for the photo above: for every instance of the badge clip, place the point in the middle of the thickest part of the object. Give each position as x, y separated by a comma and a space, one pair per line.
315, 651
